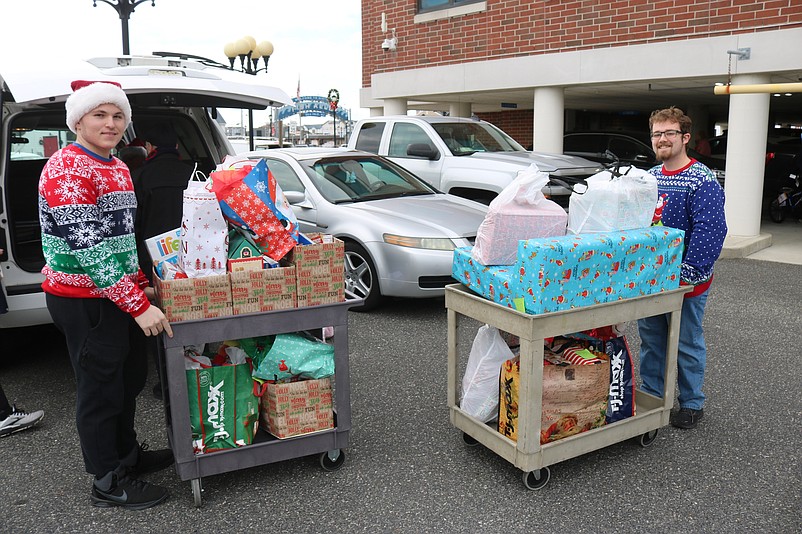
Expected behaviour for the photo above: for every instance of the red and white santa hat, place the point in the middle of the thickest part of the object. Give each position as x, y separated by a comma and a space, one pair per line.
90, 95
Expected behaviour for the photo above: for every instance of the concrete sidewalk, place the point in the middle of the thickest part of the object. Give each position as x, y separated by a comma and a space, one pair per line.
776, 242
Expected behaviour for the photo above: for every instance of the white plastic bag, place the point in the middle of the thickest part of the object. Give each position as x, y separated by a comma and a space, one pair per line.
480, 382
519, 212
613, 202
204, 231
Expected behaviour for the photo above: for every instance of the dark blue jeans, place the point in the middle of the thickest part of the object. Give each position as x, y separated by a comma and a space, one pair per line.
691, 354
110, 365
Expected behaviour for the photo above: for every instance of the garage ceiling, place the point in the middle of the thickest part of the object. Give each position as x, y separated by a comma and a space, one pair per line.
642, 97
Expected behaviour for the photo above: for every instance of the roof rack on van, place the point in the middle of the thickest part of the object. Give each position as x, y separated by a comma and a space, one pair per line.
200, 59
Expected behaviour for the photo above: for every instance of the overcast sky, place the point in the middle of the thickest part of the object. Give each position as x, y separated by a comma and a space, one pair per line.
316, 40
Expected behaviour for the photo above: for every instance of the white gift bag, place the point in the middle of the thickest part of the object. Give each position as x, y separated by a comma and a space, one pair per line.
480, 381
613, 202
204, 232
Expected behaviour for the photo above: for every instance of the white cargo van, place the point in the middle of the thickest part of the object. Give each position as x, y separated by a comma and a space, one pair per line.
186, 92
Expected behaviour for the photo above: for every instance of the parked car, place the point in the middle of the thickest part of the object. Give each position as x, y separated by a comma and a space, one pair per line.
782, 144
399, 232
628, 148
466, 157
181, 91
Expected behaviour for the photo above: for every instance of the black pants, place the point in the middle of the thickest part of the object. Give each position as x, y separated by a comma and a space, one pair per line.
108, 358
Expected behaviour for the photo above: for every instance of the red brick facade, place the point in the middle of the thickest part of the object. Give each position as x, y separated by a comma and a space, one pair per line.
510, 28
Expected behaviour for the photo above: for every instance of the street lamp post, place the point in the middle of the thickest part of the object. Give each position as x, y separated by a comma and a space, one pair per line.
124, 8
249, 53
334, 100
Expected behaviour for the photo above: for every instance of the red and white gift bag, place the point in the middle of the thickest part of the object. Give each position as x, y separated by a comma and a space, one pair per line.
204, 231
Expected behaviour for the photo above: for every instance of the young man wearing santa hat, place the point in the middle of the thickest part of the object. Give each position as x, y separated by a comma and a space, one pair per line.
97, 295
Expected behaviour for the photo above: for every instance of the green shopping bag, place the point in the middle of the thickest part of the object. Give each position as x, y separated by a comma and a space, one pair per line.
223, 409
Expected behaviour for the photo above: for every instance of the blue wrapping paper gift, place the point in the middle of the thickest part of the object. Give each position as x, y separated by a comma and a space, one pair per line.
560, 273
491, 281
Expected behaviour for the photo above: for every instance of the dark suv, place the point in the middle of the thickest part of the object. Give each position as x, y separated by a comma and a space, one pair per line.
782, 144
629, 148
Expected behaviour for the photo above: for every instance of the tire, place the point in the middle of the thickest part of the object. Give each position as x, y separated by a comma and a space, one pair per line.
776, 212
361, 277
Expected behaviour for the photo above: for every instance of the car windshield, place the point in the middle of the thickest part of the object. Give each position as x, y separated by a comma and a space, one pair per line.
361, 178
464, 138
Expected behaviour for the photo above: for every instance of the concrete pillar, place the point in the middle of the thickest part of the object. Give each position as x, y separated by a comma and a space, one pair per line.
395, 106
460, 109
549, 119
746, 157
376, 112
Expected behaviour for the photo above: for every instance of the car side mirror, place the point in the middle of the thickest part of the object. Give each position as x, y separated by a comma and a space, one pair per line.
295, 197
422, 150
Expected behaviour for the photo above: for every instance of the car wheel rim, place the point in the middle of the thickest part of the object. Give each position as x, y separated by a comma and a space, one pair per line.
357, 275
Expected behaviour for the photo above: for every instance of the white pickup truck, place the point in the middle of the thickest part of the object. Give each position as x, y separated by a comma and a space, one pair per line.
465, 157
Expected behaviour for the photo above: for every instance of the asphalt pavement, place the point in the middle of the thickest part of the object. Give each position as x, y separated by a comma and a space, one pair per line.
408, 470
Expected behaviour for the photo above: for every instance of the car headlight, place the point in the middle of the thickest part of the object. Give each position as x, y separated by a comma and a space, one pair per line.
429, 243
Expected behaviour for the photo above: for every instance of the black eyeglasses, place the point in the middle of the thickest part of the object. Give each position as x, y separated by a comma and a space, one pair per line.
670, 134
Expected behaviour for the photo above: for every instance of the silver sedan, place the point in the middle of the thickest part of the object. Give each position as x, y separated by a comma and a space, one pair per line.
399, 232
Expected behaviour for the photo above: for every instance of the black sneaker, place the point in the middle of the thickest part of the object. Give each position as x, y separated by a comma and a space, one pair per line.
686, 418
151, 461
129, 493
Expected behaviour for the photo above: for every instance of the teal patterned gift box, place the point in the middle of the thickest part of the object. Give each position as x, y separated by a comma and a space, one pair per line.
560, 273
491, 281
585, 269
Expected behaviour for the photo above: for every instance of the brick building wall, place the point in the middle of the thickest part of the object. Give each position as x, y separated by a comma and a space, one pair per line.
516, 28
512, 28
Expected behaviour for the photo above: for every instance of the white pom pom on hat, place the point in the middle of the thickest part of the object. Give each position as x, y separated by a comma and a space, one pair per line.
89, 95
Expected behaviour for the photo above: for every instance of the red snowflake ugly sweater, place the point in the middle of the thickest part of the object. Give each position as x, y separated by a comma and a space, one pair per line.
86, 210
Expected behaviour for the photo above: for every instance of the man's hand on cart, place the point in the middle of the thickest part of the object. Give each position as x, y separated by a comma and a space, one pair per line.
153, 322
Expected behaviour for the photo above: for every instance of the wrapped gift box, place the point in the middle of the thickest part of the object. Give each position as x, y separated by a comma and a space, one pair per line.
184, 299
320, 271
582, 270
295, 408
560, 273
263, 290
493, 282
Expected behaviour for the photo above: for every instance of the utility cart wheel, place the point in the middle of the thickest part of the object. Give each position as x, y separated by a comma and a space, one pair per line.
470, 441
537, 479
648, 438
332, 460
197, 488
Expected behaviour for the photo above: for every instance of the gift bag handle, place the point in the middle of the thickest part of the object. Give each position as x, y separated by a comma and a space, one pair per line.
199, 176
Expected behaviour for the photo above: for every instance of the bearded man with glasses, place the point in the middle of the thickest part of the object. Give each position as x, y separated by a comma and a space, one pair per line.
691, 200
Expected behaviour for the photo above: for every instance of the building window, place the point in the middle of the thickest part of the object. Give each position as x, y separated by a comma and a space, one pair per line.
433, 5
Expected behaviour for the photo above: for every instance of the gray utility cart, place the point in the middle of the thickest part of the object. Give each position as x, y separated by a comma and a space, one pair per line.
527, 453
265, 448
